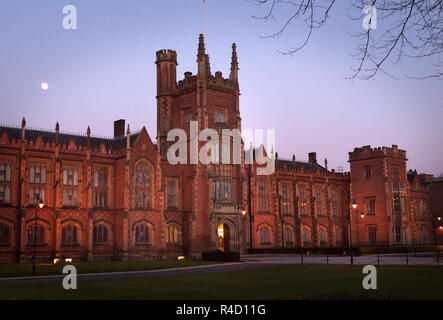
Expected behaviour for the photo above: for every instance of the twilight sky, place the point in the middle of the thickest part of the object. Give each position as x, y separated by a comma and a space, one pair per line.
105, 71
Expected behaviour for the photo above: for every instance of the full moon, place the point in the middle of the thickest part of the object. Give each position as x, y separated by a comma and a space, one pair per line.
44, 86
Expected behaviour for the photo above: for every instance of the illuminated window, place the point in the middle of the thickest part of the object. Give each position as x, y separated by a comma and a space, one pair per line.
302, 194
285, 200
173, 235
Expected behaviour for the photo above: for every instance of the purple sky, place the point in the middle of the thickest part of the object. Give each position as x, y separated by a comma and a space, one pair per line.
105, 71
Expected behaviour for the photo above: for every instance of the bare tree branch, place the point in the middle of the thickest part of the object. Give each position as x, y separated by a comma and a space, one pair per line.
411, 29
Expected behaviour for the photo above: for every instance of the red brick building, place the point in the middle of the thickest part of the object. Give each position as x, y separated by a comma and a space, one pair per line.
120, 197
436, 204
394, 203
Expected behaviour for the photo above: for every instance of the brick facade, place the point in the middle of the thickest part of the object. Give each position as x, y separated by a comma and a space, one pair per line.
120, 197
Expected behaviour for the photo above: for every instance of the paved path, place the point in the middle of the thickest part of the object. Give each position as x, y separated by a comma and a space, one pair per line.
248, 262
137, 274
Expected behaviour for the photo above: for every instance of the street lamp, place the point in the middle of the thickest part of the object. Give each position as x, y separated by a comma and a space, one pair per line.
243, 213
362, 215
40, 205
354, 206
438, 225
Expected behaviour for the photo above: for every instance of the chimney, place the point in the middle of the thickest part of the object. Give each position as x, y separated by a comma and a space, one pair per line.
119, 128
312, 157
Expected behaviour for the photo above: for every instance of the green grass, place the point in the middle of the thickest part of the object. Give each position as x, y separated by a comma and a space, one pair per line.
275, 282
15, 270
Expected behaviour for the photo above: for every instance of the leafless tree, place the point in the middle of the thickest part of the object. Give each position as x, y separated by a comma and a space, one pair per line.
409, 29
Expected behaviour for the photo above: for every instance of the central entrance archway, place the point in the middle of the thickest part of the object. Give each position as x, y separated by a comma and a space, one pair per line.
224, 237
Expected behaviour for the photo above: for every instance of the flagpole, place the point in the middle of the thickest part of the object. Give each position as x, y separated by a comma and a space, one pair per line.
204, 17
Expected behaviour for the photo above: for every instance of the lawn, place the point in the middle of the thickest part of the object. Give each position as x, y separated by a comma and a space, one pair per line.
15, 270
274, 282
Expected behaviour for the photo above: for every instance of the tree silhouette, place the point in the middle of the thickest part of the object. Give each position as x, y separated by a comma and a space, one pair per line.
412, 29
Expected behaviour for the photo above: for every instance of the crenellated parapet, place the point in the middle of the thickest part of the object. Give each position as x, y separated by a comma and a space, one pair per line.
188, 83
217, 82
166, 55
368, 152
166, 61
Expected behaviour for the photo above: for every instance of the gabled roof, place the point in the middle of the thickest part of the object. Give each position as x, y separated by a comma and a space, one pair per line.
301, 164
412, 175
66, 138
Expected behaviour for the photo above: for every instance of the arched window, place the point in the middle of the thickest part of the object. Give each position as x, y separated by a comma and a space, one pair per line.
285, 199
173, 235
100, 233
5, 181
262, 194
334, 203
142, 185
37, 182
142, 233
70, 185
337, 237
40, 239
69, 235
171, 194
424, 234
222, 190
322, 236
100, 188
319, 201
4, 234
306, 237
5, 194
303, 196
289, 236
264, 235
